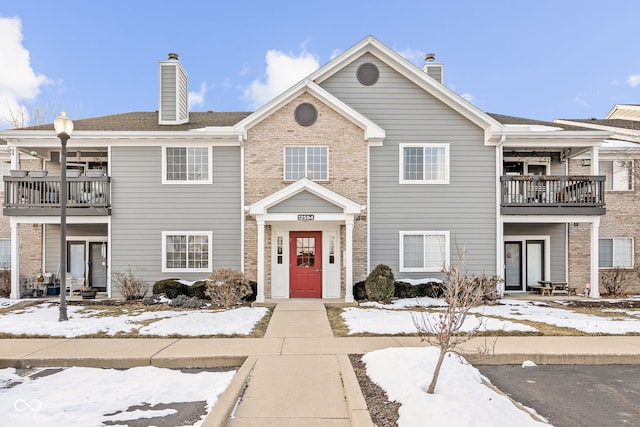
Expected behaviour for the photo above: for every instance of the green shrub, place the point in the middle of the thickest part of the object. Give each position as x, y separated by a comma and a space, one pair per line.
380, 284
427, 289
170, 287
254, 291
183, 301
198, 290
359, 291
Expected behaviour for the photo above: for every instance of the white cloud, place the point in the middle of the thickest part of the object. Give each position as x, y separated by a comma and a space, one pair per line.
467, 96
414, 56
18, 82
283, 70
335, 53
196, 99
580, 100
634, 80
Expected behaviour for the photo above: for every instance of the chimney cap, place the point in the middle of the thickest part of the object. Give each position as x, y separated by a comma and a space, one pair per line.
430, 57
173, 56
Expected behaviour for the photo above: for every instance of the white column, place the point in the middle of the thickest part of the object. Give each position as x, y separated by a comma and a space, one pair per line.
595, 258
595, 161
15, 260
348, 283
260, 273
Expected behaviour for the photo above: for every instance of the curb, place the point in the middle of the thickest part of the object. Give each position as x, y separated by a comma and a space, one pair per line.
356, 405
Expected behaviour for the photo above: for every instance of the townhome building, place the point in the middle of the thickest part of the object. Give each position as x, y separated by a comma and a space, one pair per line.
619, 160
368, 160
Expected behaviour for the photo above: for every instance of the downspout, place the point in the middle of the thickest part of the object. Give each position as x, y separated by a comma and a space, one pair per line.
499, 222
242, 210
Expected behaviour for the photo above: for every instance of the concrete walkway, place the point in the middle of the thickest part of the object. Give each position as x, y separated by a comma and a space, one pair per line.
299, 373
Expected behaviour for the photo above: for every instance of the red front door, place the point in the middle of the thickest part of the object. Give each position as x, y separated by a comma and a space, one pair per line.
305, 270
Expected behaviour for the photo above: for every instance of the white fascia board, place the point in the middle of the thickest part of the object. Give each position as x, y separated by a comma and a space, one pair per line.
371, 130
416, 75
621, 107
260, 207
102, 139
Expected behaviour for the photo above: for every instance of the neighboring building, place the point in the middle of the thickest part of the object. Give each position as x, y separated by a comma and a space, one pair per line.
368, 160
619, 160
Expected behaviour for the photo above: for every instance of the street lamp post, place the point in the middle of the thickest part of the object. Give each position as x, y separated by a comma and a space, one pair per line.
64, 127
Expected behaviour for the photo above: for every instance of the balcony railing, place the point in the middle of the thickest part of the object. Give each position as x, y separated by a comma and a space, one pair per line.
543, 194
41, 196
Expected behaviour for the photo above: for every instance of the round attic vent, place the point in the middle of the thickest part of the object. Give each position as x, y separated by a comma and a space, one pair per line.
305, 114
368, 74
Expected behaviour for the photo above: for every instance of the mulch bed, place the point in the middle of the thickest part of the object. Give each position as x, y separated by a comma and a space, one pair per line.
383, 413
604, 304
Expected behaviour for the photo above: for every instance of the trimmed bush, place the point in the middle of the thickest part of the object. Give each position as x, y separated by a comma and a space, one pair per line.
170, 287
359, 291
198, 290
407, 290
380, 284
254, 291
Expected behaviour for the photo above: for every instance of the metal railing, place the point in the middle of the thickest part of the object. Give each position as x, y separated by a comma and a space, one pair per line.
34, 193
545, 190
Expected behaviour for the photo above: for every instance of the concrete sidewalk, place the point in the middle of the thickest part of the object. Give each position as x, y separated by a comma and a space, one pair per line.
299, 373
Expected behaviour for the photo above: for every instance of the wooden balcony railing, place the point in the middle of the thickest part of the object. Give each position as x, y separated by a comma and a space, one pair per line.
41, 196
547, 194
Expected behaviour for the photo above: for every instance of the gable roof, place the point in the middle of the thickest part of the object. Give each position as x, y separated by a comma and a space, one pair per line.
394, 60
304, 184
372, 132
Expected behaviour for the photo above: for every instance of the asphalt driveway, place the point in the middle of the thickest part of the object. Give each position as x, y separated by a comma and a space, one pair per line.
574, 395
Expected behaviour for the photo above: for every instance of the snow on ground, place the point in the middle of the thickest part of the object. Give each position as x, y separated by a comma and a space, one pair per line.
401, 322
6, 302
396, 318
461, 399
538, 312
42, 319
84, 396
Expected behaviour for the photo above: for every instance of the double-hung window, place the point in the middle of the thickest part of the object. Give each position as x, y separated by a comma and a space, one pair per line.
183, 165
424, 251
187, 251
306, 162
616, 252
424, 163
619, 174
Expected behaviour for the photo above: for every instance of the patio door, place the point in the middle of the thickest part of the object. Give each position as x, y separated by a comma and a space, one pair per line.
513, 266
98, 265
305, 269
524, 264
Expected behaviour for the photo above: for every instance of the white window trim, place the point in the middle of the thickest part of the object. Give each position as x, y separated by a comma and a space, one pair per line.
447, 249
425, 181
8, 266
632, 180
284, 161
613, 254
187, 182
209, 234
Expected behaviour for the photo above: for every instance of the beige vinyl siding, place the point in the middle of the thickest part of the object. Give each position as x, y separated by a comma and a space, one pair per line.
143, 208
168, 90
466, 207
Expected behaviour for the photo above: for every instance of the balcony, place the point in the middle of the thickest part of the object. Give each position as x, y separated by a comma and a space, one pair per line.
552, 195
31, 196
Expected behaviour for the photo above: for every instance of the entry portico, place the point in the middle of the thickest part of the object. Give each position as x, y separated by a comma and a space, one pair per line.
310, 242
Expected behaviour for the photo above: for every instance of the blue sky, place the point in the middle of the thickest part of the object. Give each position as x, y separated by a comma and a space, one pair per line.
541, 59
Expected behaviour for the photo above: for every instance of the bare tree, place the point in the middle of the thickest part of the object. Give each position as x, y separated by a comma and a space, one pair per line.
20, 116
462, 292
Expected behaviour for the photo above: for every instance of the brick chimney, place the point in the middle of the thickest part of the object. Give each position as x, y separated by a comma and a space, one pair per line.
174, 92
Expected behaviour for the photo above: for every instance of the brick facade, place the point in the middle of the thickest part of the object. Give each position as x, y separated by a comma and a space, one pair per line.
621, 220
264, 172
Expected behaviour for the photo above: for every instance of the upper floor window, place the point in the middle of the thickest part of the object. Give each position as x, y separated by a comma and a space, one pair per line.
424, 163
616, 252
187, 165
310, 162
619, 174
186, 251
424, 251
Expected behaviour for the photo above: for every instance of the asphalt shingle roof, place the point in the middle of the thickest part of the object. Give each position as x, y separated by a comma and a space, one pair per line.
618, 123
148, 121
511, 120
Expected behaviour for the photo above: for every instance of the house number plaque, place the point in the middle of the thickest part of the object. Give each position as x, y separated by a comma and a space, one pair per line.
306, 217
